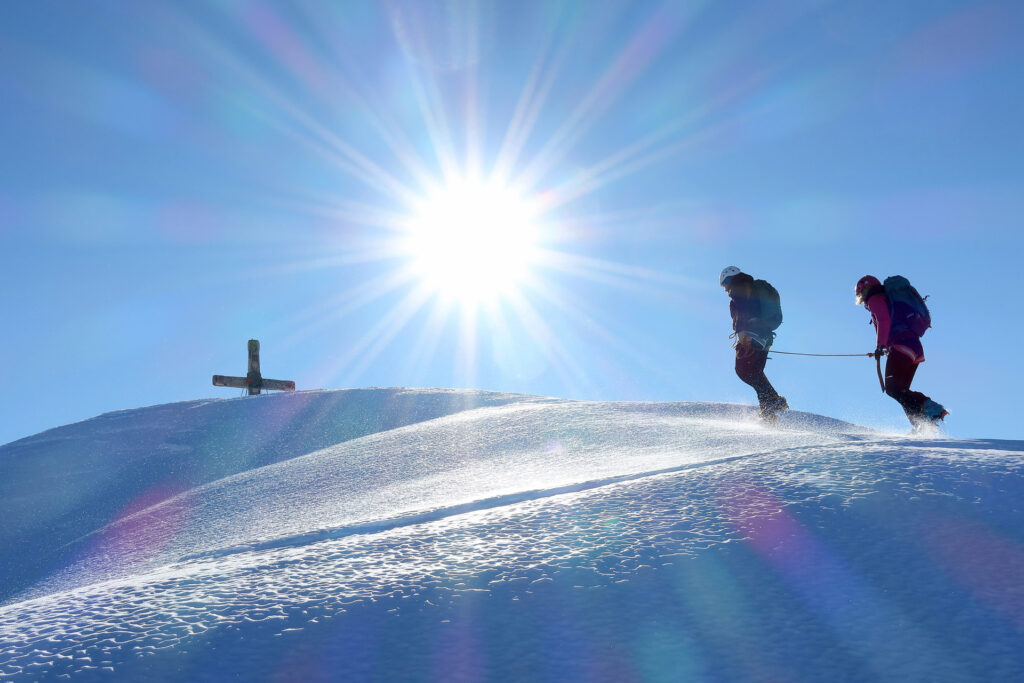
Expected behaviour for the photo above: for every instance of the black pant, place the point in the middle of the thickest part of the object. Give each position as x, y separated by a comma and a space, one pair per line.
750, 362
899, 373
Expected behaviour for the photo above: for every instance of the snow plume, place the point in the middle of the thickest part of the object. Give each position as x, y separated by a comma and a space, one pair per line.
393, 534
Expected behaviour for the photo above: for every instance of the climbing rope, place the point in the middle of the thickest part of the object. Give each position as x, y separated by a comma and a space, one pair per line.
828, 355
762, 342
878, 360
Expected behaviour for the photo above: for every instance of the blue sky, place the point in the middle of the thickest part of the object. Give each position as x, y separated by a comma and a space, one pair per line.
180, 178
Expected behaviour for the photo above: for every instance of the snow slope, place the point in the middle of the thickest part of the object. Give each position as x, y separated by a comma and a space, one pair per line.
457, 535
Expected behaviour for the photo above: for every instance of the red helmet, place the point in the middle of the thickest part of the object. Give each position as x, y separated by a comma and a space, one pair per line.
864, 284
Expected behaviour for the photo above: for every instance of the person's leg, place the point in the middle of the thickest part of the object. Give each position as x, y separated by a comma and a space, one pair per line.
750, 362
899, 373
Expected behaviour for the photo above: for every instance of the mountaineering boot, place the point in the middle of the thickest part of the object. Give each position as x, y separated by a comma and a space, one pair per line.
771, 408
933, 412
927, 421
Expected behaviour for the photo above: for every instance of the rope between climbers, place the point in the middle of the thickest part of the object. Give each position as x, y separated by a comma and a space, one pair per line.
829, 355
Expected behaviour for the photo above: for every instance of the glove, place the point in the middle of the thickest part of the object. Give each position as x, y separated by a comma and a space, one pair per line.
879, 352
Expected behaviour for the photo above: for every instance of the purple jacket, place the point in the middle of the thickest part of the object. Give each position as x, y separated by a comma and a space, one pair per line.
908, 344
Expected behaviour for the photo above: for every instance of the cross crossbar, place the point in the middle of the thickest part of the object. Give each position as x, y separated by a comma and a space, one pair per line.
253, 380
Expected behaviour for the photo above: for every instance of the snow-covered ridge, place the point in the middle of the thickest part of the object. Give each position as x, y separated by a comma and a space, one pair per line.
73, 481
201, 477
377, 516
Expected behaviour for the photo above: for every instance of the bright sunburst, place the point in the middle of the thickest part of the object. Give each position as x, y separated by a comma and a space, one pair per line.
473, 241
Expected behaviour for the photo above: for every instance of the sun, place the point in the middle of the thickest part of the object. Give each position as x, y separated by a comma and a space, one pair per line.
473, 241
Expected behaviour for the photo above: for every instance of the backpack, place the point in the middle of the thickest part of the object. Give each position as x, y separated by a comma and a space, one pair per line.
771, 308
907, 309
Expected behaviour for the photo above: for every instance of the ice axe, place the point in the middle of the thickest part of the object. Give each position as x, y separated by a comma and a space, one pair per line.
878, 368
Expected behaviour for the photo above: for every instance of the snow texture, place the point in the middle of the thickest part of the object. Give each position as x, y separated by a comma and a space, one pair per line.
390, 534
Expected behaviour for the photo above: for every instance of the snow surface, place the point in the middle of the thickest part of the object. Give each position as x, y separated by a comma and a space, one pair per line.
391, 534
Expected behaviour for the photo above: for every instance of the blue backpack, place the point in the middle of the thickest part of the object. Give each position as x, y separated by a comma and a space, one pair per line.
907, 309
770, 306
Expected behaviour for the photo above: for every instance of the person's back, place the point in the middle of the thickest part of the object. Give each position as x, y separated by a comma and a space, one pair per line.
755, 305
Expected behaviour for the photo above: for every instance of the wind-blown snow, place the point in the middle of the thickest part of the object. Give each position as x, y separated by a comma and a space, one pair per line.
447, 535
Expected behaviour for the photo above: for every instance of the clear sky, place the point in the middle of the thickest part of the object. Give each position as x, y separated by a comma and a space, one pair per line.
527, 197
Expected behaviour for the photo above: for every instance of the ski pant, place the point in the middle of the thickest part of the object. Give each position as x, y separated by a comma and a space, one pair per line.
750, 362
900, 369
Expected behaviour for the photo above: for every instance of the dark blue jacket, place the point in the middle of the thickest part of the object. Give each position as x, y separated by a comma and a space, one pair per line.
745, 306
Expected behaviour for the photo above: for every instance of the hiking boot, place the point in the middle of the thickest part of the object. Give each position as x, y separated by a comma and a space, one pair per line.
933, 412
771, 408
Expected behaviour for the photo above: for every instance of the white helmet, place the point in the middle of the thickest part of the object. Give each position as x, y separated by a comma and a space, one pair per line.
728, 273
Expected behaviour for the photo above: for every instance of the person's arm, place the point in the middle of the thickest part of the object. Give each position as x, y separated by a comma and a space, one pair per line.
741, 308
879, 307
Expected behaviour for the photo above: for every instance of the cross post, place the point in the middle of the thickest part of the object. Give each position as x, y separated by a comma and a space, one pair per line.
253, 380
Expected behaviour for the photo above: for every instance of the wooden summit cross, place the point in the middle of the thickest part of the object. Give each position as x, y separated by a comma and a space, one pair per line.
254, 381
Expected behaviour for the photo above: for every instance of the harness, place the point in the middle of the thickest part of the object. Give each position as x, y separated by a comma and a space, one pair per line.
762, 342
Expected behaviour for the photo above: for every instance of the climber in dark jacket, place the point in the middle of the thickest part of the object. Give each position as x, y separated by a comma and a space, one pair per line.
756, 313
